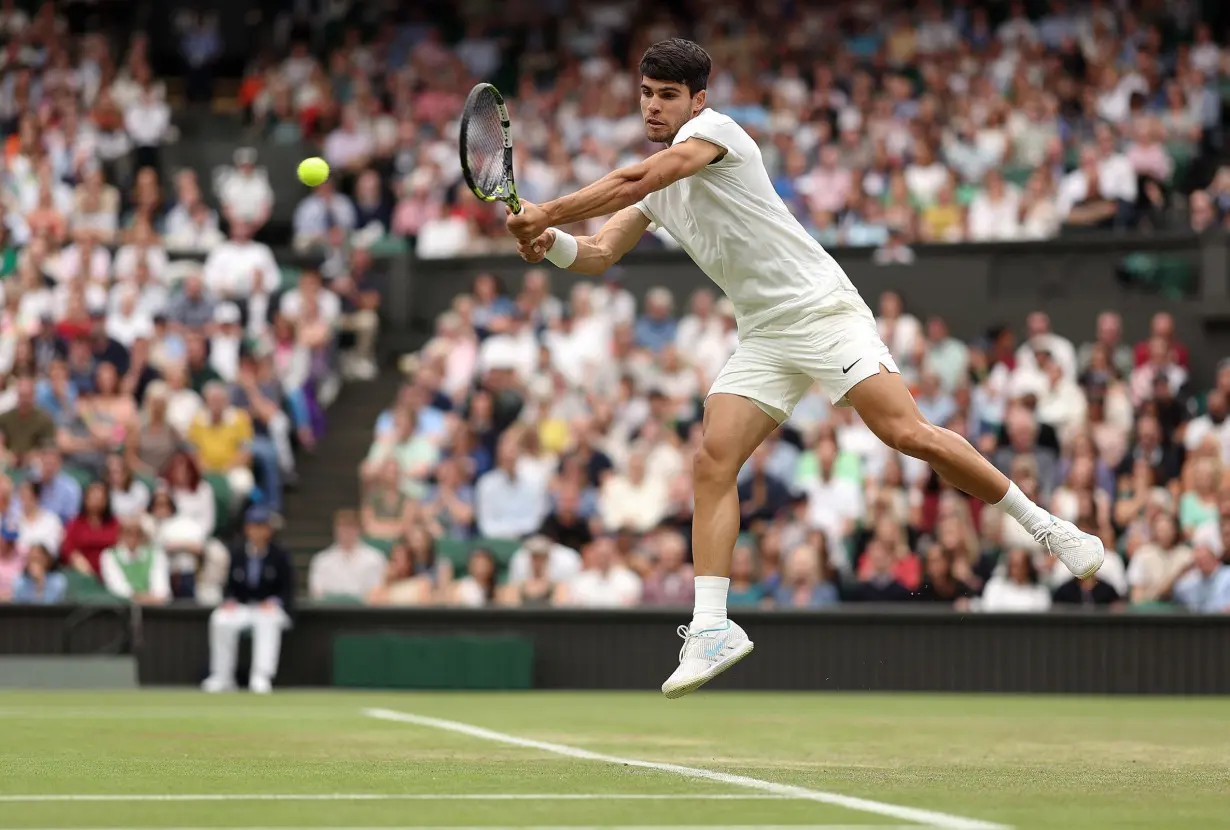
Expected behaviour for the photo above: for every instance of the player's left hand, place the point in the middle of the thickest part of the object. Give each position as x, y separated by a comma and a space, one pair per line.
529, 223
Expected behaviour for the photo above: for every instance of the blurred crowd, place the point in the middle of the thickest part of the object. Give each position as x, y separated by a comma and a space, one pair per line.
540, 454
157, 374
925, 121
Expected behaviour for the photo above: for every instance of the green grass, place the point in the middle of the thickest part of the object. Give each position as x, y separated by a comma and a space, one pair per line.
1027, 762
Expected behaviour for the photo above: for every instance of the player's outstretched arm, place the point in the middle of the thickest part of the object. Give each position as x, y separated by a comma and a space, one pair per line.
617, 190
595, 253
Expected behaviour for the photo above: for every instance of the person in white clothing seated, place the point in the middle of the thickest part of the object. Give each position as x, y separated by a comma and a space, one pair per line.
258, 598
604, 582
1014, 587
135, 568
563, 563
244, 190
349, 567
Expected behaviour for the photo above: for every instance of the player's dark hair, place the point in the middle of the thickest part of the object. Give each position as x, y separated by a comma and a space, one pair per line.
678, 61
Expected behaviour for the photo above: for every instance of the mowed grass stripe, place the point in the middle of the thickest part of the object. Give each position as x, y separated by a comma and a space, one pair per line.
530, 827
932, 818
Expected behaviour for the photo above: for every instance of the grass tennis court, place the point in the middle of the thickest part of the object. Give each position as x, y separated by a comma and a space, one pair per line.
552, 760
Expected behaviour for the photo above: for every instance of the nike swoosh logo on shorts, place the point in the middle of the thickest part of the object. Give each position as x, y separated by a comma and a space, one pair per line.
846, 370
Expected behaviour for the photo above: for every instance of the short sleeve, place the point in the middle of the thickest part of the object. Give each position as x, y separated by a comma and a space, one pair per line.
716, 129
648, 212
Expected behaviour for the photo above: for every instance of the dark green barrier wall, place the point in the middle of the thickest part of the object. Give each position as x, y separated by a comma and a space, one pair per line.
863, 649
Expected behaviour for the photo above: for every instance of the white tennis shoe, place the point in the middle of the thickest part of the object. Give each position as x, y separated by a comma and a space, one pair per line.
1081, 553
705, 655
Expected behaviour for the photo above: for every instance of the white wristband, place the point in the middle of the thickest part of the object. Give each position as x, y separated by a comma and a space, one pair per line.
563, 251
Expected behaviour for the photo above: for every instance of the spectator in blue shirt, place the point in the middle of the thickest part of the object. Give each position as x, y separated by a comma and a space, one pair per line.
38, 584
61, 494
655, 329
493, 310
1205, 587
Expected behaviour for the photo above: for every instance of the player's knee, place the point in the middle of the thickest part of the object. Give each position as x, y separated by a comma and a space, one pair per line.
714, 465
917, 439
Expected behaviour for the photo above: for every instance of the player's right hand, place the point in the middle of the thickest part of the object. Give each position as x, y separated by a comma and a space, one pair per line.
534, 250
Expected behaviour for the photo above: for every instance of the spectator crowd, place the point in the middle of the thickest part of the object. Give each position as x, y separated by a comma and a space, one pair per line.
879, 121
158, 374
540, 454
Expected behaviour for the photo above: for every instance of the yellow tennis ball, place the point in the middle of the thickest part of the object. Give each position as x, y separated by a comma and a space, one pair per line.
313, 171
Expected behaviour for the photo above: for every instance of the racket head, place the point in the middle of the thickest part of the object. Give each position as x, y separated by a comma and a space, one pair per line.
485, 143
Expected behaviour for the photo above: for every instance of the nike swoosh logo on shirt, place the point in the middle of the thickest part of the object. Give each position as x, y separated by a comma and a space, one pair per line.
848, 368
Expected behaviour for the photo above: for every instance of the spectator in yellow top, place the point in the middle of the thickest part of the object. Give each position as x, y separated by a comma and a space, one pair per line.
221, 436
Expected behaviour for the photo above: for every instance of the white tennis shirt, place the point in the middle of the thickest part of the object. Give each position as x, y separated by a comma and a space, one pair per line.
733, 224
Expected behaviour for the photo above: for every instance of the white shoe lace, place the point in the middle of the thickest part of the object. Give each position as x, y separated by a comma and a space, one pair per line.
1043, 534
686, 633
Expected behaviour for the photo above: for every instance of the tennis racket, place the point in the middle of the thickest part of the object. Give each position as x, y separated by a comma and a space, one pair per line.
486, 147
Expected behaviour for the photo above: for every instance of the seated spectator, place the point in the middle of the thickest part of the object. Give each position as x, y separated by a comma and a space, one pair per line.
808, 580
569, 524
25, 427
91, 532
889, 537
1088, 592
655, 329
509, 505
531, 584
258, 597
603, 581
193, 496
150, 446
632, 500
478, 587
221, 436
414, 454
108, 412
373, 214
134, 568
244, 191
321, 211
449, 507
197, 564
242, 270
143, 246
1015, 587
61, 493
1156, 564
762, 496
745, 587
35, 523
669, 581
129, 494
413, 573
940, 583
39, 582
877, 581
349, 567
385, 507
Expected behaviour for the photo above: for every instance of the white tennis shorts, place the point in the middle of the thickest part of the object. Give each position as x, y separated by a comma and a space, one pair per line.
836, 347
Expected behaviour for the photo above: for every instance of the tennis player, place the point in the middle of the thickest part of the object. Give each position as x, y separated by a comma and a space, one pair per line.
800, 320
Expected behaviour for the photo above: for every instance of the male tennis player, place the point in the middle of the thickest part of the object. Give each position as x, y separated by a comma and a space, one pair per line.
800, 319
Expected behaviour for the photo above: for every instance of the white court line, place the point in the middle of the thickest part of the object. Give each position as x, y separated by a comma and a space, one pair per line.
536, 827
59, 798
933, 818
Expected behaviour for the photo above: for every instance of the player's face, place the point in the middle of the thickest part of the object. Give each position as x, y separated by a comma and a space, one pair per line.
666, 106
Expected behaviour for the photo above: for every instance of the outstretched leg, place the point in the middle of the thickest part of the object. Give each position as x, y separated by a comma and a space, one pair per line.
884, 403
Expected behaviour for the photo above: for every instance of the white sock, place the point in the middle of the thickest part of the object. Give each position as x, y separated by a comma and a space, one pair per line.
710, 610
1017, 505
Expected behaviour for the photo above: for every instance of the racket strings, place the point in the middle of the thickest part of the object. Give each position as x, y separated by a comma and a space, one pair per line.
485, 146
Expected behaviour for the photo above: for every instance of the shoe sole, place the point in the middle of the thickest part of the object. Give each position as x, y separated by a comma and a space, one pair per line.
700, 680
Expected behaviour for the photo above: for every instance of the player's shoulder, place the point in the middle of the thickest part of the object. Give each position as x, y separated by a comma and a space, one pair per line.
712, 118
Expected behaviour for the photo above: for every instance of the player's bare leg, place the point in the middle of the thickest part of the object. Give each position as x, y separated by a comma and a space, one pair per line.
733, 428
885, 404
